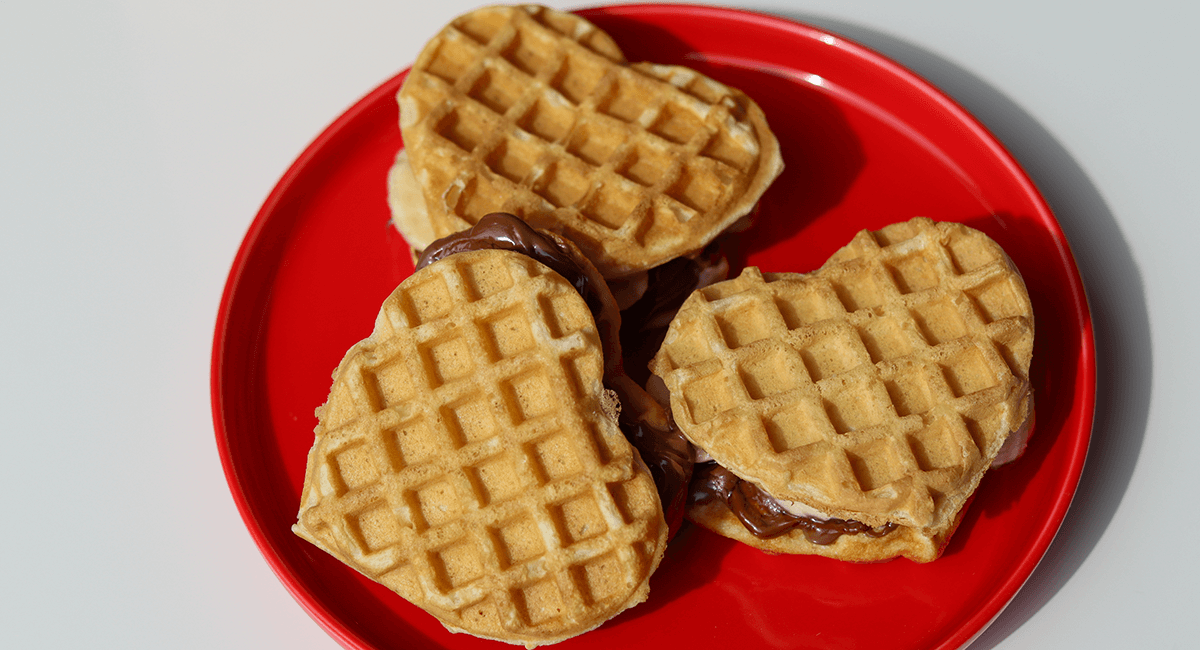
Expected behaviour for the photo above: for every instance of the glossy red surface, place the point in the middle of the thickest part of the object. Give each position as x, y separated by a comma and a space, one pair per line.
866, 143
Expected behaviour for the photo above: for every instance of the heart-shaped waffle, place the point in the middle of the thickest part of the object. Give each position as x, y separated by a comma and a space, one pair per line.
468, 457
536, 112
877, 389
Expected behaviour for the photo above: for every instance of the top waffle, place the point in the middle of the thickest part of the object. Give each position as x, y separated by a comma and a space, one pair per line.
467, 459
878, 388
536, 112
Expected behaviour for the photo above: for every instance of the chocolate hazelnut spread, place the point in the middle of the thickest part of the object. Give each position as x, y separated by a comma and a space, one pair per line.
645, 322
503, 231
661, 445
663, 448
763, 516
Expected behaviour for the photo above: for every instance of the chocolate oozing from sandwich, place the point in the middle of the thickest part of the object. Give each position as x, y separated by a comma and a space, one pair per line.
662, 447
503, 231
765, 517
645, 322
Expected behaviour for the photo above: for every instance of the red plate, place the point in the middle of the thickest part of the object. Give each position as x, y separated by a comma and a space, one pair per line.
866, 143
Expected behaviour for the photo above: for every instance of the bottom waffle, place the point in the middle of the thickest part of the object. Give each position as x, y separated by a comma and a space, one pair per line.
407, 205
468, 457
902, 542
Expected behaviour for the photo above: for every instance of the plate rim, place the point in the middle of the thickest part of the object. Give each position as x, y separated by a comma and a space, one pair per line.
337, 129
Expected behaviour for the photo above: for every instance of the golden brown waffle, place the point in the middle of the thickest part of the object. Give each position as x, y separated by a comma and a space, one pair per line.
878, 388
535, 112
406, 201
468, 457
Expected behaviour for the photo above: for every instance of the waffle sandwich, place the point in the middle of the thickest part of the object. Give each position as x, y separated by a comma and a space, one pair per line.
851, 412
469, 457
536, 112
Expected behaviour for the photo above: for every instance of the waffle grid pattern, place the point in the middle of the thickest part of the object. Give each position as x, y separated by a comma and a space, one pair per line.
875, 388
536, 112
453, 468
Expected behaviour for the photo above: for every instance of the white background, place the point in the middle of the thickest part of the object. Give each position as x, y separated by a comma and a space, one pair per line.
138, 140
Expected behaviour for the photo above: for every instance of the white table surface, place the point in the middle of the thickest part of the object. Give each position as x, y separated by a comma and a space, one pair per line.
138, 140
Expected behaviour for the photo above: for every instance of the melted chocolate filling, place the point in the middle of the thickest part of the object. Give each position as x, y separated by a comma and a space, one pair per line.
503, 231
763, 516
665, 451
644, 323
